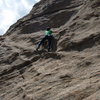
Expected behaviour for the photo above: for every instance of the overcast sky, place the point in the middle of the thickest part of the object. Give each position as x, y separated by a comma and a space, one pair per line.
12, 10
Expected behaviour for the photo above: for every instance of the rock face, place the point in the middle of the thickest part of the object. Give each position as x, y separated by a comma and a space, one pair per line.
70, 73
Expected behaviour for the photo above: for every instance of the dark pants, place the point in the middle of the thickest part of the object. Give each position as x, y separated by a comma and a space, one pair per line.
49, 38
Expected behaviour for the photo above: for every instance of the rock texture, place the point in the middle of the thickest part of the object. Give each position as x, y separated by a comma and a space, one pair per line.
70, 73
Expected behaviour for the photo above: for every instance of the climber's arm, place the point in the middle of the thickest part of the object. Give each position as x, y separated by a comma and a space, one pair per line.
56, 32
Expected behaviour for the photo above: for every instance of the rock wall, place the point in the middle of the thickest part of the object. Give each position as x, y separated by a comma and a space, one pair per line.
70, 73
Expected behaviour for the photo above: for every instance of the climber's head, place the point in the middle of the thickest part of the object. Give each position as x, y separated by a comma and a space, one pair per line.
48, 28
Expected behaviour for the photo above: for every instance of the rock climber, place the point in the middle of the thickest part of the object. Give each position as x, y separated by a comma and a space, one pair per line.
48, 36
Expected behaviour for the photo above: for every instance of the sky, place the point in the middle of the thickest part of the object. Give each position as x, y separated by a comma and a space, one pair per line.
12, 10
